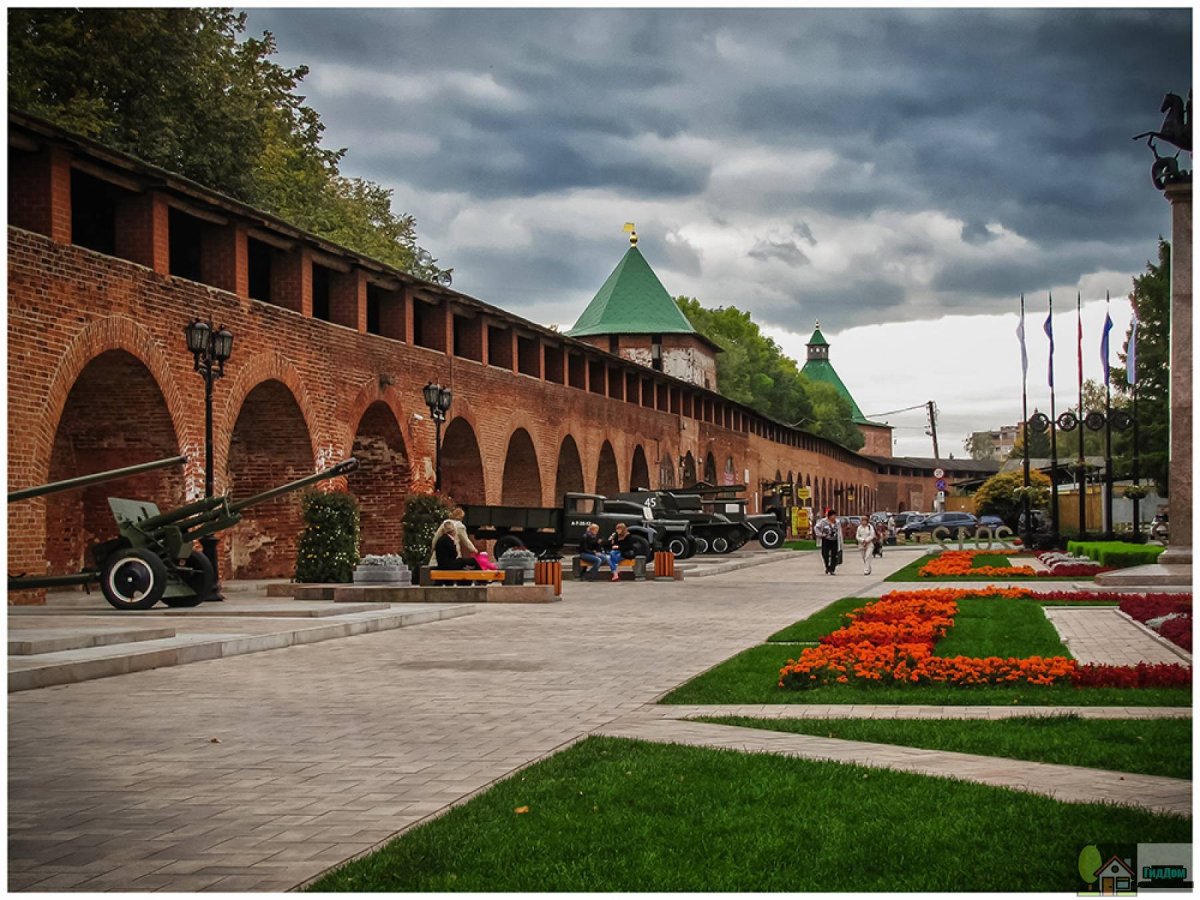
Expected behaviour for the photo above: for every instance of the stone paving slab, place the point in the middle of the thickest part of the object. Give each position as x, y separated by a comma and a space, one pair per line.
33, 640
1069, 784
1104, 635
219, 771
195, 645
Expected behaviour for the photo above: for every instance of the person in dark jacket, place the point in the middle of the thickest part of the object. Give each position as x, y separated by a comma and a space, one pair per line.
623, 545
591, 549
445, 549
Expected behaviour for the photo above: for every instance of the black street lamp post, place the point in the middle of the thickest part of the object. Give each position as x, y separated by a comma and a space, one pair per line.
438, 399
210, 349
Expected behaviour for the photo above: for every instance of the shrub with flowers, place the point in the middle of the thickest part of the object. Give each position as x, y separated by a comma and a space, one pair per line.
1070, 565
891, 641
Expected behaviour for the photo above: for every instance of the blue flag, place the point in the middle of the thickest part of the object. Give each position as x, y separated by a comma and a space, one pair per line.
1108, 324
1131, 352
1049, 329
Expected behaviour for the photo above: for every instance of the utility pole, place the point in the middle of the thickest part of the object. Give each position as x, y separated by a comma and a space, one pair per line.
932, 409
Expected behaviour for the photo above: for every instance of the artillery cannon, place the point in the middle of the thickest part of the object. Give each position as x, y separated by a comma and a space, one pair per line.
154, 557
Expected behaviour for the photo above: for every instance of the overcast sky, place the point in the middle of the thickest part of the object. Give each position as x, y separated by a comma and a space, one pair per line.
901, 175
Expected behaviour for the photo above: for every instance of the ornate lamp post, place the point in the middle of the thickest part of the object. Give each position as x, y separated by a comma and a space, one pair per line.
210, 349
438, 399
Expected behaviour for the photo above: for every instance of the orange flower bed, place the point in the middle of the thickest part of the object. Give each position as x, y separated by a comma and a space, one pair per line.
892, 639
961, 562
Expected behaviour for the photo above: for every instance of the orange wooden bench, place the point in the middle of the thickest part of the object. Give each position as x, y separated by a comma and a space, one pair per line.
430, 577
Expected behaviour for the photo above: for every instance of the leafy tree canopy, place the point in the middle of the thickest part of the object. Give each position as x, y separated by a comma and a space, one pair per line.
183, 89
1002, 495
753, 370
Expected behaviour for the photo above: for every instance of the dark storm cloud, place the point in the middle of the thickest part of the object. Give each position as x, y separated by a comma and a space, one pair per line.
1014, 118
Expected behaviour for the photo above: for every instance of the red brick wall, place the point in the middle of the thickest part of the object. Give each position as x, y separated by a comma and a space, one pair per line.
300, 394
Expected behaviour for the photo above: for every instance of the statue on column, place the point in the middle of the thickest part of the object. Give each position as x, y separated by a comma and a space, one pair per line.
1177, 130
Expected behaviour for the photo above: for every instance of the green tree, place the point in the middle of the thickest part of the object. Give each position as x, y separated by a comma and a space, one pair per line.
980, 445
753, 370
1089, 862
1039, 444
184, 90
1151, 301
1002, 495
328, 547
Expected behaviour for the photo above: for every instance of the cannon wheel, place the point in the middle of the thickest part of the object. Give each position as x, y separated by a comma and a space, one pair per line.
693, 547
199, 577
133, 578
678, 547
701, 544
770, 537
721, 544
506, 543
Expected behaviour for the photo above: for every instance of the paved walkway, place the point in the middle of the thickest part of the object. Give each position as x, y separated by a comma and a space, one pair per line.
1103, 635
259, 772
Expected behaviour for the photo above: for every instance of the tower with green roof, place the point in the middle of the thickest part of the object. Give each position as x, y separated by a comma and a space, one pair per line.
633, 316
817, 367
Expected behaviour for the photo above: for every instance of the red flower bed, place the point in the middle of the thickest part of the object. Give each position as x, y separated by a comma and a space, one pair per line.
891, 641
1143, 675
1152, 608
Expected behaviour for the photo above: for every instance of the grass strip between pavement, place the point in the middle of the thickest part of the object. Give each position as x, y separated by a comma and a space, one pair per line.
618, 815
1147, 746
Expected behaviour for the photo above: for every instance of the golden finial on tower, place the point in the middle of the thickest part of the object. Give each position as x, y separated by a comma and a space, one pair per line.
632, 234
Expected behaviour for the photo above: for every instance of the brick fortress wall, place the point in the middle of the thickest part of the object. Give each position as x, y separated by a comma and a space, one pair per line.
99, 377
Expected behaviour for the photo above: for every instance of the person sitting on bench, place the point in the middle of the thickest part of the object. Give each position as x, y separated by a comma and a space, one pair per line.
623, 546
445, 548
590, 550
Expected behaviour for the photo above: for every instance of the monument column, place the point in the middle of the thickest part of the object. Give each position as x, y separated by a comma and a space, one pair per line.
1179, 547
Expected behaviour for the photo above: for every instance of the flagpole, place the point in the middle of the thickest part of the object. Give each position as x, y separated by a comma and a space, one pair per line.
1132, 379
1027, 526
1053, 432
1081, 468
1109, 534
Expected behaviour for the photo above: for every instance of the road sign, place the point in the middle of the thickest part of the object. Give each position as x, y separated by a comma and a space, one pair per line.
938, 473
940, 484
803, 493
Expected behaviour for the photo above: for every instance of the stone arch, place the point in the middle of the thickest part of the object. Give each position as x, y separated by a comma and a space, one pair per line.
607, 480
522, 481
114, 415
98, 337
269, 366
729, 476
689, 470
382, 479
569, 475
270, 444
462, 463
639, 472
778, 476
710, 468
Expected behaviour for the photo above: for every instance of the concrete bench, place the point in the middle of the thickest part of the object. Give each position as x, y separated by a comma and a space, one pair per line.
635, 568
431, 576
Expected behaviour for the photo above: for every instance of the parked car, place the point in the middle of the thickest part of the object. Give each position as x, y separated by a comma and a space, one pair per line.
991, 522
907, 518
950, 520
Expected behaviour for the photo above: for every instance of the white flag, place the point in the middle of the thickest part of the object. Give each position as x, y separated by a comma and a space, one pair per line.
1131, 352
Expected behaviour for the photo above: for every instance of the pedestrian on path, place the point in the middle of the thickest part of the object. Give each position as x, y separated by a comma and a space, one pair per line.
865, 538
829, 532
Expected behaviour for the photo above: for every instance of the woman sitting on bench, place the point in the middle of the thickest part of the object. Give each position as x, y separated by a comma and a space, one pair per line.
623, 547
445, 548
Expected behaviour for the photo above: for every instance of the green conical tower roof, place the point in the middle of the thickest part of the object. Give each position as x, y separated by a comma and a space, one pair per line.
632, 301
819, 368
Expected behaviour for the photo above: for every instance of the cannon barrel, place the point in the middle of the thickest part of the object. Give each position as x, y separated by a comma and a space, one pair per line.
203, 507
95, 478
345, 467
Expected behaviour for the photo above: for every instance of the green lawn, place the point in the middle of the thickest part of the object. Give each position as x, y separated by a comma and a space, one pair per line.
1151, 747
752, 676
983, 627
909, 572
800, 545
618, 815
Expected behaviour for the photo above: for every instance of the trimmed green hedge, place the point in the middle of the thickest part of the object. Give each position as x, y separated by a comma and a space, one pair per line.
1117, 554
328, 548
